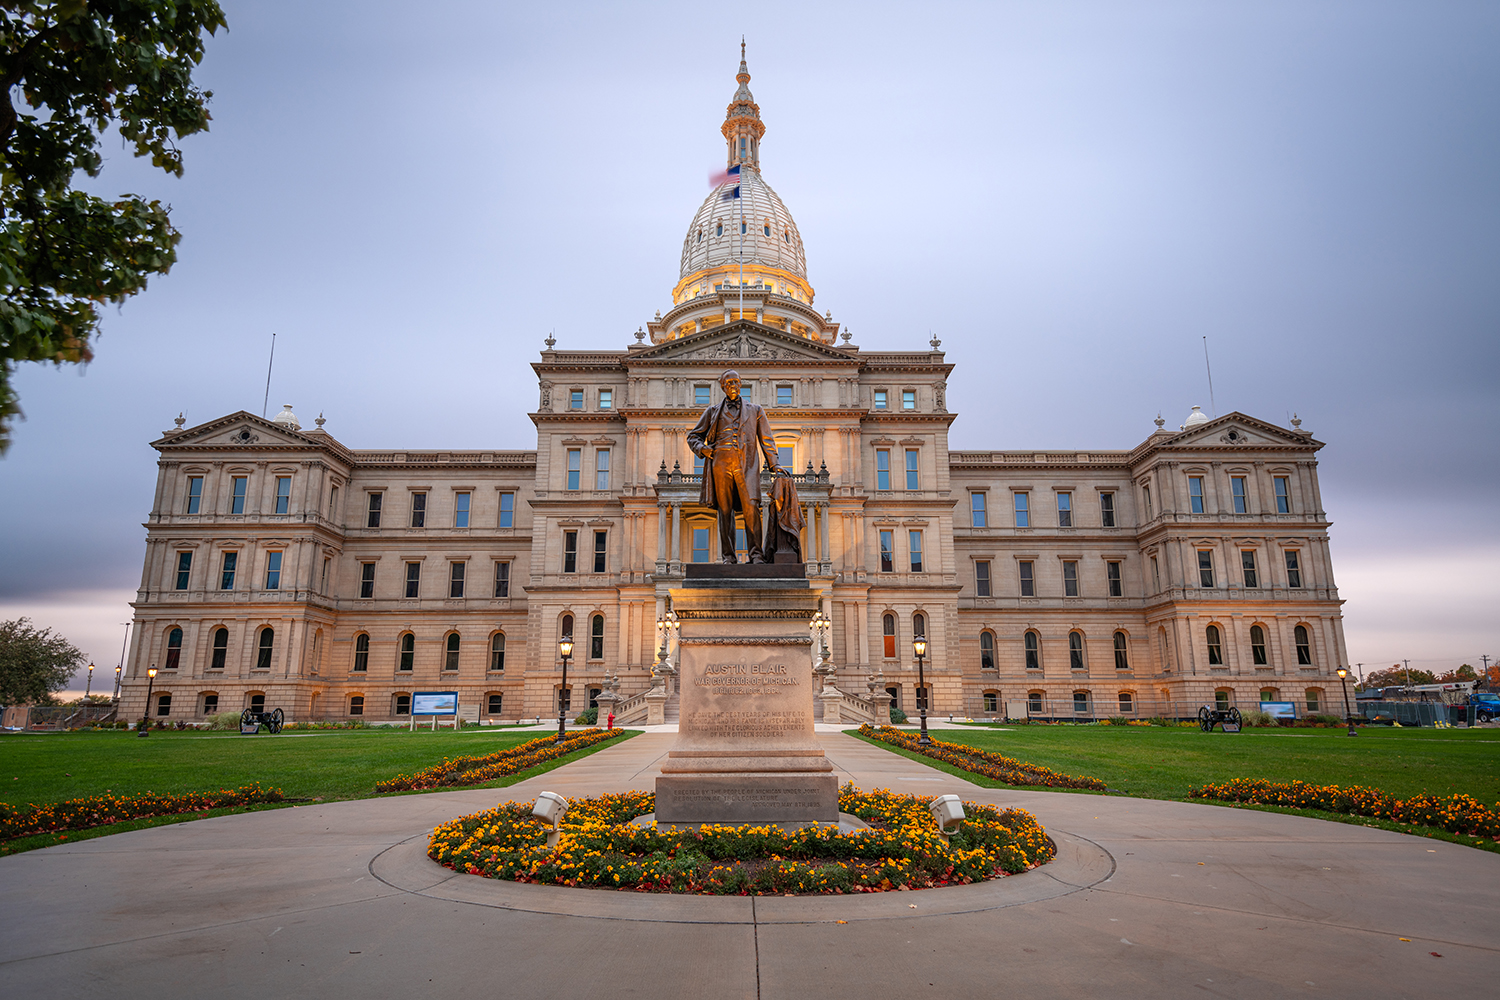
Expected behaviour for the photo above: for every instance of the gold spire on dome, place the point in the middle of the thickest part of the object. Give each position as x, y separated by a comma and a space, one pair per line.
742, 127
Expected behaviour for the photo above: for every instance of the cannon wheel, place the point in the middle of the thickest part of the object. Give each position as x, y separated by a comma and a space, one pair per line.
1205, 719
247, 718
275, 721
1234, 716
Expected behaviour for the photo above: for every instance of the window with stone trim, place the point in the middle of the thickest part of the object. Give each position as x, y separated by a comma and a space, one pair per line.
987, 650
265, 644
407, 656
413, 580
1032, 644
419, 510
220, 651
1064, 510
1122, 651
356, 704
913, 471
502, 579
456, 571
888, 636
1248, 570
1070, 577
570, 552
1258, 646
1238, 496
366, 580
1107, 509
1112, 575
461, 509
1075, 650
982, 577
1027, 570
978, 515
1205, 568
283, 494
887, 551
1303, 641
1023, 509
1283, 494
1195, 494
507, 510
174, 649
601, 551
238, 486
372, 509
194, 494
184, 569
596, 637
1215, 646
497, 651
882, 469
450, 657
575, 468
361, 653
1293, 570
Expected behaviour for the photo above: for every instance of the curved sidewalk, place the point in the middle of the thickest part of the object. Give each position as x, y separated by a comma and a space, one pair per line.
1146, 899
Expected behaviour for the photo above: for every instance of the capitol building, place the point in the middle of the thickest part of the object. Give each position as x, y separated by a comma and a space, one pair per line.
284, 569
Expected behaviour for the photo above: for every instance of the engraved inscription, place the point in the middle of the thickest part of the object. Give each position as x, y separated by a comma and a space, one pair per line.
740, 724
745, 678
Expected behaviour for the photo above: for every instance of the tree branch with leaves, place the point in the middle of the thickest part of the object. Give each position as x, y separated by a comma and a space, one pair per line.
73, 69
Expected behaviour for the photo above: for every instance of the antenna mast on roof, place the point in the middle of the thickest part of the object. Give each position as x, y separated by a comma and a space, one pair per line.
265, 403
1211, 404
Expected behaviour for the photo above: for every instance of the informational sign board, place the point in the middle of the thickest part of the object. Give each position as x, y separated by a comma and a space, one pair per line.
1231, 727
1279, 709
434, 703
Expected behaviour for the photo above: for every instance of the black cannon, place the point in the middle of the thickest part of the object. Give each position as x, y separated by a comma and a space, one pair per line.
1228, 718
251, 721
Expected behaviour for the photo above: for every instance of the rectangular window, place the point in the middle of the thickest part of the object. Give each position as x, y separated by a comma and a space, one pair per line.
184, 569
323, 579
1237, 494
195, 494
747, 393
226, 572
601, 469
880, 403
273, 570
1156, 574
1023, 510
1070, 578
210, 704
1205, 568
977, 513
1028, 578
1283, 495
507, 510
606, 399
575, 468
982, 578
914, 541
1146, 490
419, 510
783, 395
283, 494
913, 480
237, 488
1247, 565
601, 550
372, 518
908, 399
495, 703
700, 395
784, 457
1065, 510
570, 552
413, 580
575, 399
502, 579
700, 545
887, 551
1107, 509
461, 510
697, 465
366, 581
991, 701
741, 544
1112, 573
456, 579
1293, 570
1195, 493
882, 469
333, 502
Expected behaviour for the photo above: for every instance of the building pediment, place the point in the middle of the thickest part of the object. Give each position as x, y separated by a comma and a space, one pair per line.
243, 430
1236, 430
742, 341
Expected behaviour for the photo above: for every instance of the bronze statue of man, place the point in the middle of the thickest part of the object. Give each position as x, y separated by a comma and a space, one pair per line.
731, 438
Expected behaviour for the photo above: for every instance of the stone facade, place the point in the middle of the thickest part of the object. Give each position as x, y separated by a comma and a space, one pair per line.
283, 568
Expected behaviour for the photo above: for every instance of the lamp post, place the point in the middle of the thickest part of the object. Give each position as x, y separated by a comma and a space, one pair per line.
919, 646
565, 647
89, 685
1343, 673
123, 643
115, 698
145, 727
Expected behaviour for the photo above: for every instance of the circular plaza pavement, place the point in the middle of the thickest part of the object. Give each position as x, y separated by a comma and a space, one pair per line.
1145, 899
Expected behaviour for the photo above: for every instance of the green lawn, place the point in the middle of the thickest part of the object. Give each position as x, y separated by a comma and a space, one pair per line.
340, 764
1163, 763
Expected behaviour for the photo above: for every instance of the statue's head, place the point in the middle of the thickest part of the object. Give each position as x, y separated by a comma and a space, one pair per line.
730, 383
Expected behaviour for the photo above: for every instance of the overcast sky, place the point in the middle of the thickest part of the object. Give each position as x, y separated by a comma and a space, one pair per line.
1070, 195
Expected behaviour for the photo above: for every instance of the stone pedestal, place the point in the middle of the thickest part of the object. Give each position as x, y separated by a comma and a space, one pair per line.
745, 750
656, 706
831, 698
606, 701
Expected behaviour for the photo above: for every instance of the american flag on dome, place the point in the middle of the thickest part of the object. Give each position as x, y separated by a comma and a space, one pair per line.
730, 176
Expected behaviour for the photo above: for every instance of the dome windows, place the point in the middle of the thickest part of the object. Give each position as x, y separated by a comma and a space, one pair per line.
786, 236
742, 229
768, 229
719, 230
700, 236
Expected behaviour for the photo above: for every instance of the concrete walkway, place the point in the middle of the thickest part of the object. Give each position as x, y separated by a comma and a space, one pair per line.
1146, 899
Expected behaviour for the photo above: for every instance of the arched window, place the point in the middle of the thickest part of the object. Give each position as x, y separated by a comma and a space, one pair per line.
1035, 701
495, 700
1221, 699
257, 701
401, 704
362, 652
768, 229
1215, 646
991, 702
786, 236
888, 633
174, 649
1075, 650
210, 701
987, 650
596, 638
408, 651
221, 649
1122, 655
1033, 651
567, 626
1257, 645
743, 228
1081, 702
1270, 694
164, 704
450, 662
497, 651
919, 625
356, 704
1127, 702
1304, 645
263, 653
719, 229
1314, 700
700, 236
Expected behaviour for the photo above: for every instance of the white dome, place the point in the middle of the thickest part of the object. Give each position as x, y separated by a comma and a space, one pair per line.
713, 239
1195, 418
287, 418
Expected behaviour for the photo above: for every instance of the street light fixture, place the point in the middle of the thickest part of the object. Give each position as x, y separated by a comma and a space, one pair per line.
115, 698
88, 686
145, 727
1343, 673
565, 647
919, 646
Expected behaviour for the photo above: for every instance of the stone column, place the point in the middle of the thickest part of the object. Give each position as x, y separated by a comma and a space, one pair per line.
676, 536
661, 536
823, 532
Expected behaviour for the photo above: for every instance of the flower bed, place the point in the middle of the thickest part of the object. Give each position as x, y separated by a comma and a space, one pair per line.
476, 770
599, 849
976, 761
102, 810
1454, 813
